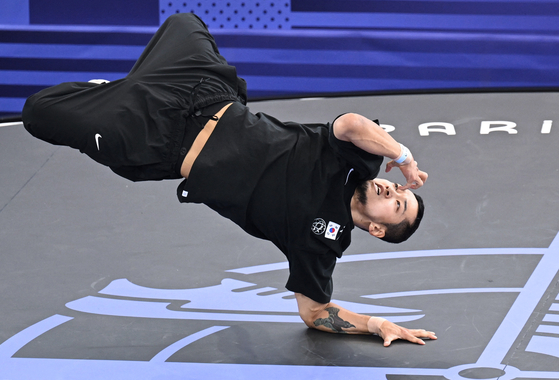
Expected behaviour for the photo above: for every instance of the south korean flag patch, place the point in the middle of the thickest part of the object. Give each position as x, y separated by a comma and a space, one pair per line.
332, 231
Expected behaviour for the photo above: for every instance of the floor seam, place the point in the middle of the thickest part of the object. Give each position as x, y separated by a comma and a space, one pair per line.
26, 182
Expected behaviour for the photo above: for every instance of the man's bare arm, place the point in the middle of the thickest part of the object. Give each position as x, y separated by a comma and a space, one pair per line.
369, 136
335, 319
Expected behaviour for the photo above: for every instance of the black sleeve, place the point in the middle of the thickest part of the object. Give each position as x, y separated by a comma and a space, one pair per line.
310, 273
366, 164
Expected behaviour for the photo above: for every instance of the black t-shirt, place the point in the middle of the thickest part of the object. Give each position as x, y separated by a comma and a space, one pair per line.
288, 183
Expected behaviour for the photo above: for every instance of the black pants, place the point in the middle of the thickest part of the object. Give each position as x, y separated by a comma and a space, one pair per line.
141, 126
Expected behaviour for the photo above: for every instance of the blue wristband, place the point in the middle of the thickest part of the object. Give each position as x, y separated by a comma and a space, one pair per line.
403, 156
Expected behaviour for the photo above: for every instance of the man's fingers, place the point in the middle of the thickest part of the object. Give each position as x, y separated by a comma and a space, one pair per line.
415, 178
389, 166
417, 181
423, 334
388, 340
416, 184
412, 336
427, 334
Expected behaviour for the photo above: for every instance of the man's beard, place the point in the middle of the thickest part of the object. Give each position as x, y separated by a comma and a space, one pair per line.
361, 192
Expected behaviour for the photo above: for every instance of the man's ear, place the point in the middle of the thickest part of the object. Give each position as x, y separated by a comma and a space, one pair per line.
377, 230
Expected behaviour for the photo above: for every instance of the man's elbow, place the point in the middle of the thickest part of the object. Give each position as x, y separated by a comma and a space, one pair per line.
308, 318
309, 310
347, 125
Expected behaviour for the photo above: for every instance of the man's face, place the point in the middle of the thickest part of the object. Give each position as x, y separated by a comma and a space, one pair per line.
386, 204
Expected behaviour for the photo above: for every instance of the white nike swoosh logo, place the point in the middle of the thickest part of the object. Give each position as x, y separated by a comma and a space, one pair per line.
97, 137
347, 178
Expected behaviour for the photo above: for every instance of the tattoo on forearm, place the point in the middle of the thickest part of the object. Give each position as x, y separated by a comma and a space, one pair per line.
333, 322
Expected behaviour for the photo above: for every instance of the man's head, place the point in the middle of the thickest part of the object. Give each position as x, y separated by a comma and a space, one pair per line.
380, 208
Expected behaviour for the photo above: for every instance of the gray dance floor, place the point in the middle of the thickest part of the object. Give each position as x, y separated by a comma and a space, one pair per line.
105, 278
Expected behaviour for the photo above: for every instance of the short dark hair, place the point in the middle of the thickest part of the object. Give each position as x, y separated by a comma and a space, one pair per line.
400, 232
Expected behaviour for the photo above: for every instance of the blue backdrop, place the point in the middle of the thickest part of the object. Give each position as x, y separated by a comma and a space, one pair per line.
290, 48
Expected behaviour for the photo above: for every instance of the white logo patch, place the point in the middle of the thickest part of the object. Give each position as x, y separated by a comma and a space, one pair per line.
97, 137
348, 174
318, 226
332, 230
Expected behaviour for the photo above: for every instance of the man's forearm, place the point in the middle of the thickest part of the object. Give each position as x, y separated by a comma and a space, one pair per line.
370, 137
366, 135
339, 320
335, 319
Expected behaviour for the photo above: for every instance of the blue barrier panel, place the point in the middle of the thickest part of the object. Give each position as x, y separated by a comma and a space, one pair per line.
94, 12
310, 48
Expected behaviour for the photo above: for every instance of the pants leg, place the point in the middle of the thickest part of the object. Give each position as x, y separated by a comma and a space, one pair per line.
48, 114
138, 120
182, 52
117, 124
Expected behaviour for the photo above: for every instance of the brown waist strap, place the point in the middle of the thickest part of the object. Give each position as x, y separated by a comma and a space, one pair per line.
199, 142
